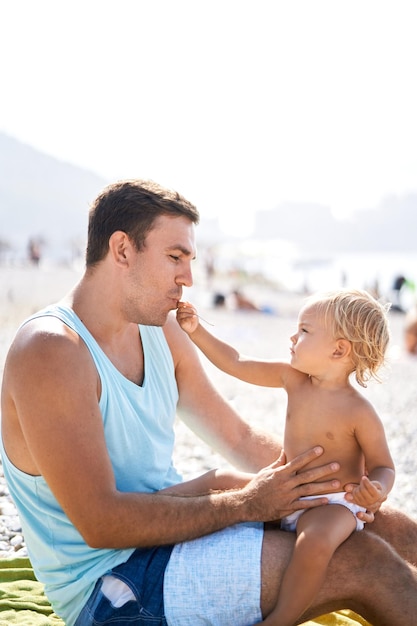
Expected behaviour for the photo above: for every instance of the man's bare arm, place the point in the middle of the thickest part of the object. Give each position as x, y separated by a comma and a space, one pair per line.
207, 413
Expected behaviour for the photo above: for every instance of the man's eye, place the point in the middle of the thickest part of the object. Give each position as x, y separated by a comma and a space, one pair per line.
175, 258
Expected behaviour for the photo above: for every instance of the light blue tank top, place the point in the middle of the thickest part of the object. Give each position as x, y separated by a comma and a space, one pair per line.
138, 426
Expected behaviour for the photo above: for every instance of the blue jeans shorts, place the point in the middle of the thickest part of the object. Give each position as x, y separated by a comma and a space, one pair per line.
144, 573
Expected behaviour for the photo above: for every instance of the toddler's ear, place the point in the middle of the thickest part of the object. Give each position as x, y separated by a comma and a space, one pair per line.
342, 348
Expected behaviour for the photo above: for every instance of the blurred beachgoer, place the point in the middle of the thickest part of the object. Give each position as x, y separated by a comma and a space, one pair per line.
34, 252
91, 389
243, 303
210, 267
400, 285
338, 334
397, 287
219, 300
410, 331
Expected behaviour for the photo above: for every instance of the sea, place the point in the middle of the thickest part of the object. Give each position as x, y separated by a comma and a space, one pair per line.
282, 265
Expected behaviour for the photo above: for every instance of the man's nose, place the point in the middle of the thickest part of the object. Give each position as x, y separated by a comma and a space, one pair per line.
186, 278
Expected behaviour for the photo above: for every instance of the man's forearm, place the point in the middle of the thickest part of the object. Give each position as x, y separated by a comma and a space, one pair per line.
143, 520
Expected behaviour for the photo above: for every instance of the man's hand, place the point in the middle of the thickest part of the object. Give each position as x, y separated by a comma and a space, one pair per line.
276, 490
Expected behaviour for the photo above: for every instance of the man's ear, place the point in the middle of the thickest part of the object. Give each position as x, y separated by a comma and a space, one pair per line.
342, 348
119, 246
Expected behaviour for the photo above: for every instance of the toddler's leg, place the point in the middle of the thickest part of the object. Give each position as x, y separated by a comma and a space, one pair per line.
319, 533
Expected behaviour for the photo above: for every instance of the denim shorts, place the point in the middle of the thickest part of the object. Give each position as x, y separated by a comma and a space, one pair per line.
144, 573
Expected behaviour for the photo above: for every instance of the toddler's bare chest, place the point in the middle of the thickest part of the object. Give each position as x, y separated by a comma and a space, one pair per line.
316, 417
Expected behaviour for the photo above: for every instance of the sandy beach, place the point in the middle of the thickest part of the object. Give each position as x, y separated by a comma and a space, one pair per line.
24, 290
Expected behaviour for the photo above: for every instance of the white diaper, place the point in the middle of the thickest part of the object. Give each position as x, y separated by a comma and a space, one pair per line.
289, 523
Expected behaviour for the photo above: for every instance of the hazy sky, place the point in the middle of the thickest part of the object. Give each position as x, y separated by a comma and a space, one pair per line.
237, 104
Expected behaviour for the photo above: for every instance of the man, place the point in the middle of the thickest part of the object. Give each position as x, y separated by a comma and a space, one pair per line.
88, 404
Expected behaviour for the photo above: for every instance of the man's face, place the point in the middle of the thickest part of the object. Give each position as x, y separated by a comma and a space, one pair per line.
161, 270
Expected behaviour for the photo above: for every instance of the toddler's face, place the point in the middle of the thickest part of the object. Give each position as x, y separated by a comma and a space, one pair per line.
313, 342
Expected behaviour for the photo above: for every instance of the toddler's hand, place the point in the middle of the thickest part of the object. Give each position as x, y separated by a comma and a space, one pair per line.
187, 317
368, 494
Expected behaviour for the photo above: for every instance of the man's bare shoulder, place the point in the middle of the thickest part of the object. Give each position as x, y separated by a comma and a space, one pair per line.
42, 334
45, 344
48, 372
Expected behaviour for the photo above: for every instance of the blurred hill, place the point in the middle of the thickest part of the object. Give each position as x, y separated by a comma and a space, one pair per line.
46, 199
389, 227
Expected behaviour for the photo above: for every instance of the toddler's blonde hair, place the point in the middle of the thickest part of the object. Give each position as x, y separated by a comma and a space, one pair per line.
357, 316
